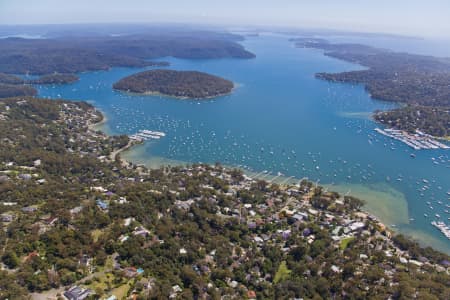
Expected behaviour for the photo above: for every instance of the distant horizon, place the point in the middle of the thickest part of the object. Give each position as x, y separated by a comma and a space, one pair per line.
402, 17
231, 28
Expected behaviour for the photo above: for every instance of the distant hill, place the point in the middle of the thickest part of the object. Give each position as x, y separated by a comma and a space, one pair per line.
186, 84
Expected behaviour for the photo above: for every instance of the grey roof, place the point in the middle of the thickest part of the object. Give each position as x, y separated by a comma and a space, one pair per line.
77, 293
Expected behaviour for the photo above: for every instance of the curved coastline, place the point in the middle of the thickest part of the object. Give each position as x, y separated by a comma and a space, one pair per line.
98, 125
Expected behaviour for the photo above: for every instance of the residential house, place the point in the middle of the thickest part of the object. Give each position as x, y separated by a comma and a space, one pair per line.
5, 217
29, 209
101, 204
77, 293
140, 230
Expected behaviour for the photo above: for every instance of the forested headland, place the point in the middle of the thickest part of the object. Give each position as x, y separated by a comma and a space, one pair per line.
416, 80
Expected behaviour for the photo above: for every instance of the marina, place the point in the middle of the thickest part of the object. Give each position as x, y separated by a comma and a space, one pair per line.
144, 135
417, 141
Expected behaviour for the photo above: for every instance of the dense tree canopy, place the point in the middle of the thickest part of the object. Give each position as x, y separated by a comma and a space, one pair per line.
189, 84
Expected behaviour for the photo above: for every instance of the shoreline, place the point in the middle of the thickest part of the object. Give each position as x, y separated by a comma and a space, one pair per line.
270, 178
392, 211
151, 93
94, 126
365, 85
158, 161
114, 154
98, 127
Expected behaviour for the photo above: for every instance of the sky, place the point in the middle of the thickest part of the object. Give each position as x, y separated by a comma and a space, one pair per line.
411, 17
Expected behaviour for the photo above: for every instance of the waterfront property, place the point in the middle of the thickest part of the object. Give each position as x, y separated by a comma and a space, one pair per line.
77, 293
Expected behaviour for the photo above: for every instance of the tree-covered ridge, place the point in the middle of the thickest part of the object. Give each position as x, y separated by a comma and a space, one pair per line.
186, 84
79, 54
72, 214
431, 120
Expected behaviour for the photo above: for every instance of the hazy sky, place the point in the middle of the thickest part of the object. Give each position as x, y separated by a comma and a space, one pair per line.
418, 17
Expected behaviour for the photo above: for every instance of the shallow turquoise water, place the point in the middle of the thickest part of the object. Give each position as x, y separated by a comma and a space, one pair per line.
281, 119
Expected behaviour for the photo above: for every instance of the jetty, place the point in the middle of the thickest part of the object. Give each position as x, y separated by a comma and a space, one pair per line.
143, 135
442, 228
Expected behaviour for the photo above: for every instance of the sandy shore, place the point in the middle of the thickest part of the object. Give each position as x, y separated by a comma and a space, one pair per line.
115, 153
98, 126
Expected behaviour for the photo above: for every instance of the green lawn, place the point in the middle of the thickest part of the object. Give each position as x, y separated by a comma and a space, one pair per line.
121, 292
106, 279
109, 264
96, 234
101, 282
282, 273
344, 243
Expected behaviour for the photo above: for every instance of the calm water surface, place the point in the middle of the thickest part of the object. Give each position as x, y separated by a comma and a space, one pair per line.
281, 119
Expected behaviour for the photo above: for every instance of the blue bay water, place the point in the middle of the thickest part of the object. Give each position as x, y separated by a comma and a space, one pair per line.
280, 118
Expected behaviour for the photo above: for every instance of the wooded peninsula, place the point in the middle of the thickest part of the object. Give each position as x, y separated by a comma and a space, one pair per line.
183, 84
417, 80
